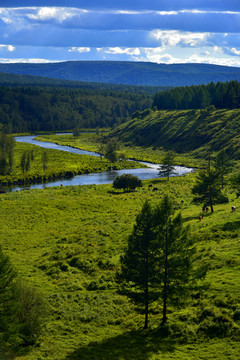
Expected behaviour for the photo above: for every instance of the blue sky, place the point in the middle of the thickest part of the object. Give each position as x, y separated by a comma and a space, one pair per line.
161, 31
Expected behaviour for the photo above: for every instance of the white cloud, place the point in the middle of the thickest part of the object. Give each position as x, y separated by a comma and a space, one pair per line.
235, 51
174, 37
7, 47
163, 13
24, 60
218, 49
53, 13
80, 49
118, 50
6, 20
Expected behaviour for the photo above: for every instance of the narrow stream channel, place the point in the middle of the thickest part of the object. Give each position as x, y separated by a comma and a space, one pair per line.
105, 177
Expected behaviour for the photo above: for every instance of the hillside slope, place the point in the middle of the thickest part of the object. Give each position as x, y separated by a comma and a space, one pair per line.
124, 72
194, 131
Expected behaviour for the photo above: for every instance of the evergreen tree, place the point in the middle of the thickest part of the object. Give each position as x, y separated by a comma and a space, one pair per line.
223, 164
7, 144
174, 255
158, 260
8, 300
207, 189
167, 167
23, 162
111, 150
138, 266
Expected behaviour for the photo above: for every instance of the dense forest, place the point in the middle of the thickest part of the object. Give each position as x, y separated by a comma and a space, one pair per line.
16, 80
49, 109
221, 95
56, 105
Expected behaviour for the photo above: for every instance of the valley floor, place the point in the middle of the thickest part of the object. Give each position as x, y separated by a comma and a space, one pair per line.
66, 243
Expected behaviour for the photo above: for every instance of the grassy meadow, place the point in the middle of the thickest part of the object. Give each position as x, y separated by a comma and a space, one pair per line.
59, 164
94, 142
66, 242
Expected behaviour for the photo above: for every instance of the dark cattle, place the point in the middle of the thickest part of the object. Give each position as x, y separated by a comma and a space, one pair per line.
233, 208
149, 186
2, 191
155, 189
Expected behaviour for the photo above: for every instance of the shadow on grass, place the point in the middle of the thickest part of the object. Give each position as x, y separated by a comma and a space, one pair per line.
121, 192
230, 226
189, 218
129, 346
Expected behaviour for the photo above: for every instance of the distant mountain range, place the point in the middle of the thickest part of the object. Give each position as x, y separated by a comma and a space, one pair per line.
129, 73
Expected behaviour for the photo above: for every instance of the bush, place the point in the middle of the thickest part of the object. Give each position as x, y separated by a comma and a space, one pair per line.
127, 182
215, 323
30, 315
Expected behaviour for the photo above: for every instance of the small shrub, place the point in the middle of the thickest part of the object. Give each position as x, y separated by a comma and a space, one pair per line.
215, 323
127, 182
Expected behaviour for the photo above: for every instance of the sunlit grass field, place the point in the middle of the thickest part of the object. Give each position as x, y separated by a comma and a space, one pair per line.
93, 142
59, 164
66, 242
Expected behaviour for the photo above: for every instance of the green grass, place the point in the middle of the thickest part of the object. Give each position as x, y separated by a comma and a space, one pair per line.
60, 164
66, 242
93, 142
191, 133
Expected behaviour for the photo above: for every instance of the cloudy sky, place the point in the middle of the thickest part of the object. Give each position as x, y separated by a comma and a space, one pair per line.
162, 31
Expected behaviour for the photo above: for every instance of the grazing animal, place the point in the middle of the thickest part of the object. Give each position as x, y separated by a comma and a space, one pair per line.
61, 184
200, 218
233, 208
2, 191
205, 209
149, 186
155, 189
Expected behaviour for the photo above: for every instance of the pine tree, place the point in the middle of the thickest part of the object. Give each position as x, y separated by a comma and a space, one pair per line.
7, 292
207, 189
174, 255
223, 164
167, 167
158, 260
138, 271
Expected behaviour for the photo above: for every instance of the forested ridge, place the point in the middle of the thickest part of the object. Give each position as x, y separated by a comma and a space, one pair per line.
51, 109
53, 105
127, 72
221, 95
16, 80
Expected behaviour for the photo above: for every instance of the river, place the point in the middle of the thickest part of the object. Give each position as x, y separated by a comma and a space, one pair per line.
105, 177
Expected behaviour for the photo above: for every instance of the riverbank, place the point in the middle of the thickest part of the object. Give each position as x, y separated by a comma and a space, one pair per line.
57, 165
95, 142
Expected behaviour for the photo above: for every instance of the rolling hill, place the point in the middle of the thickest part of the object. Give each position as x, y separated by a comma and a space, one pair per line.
194, 131
131, 73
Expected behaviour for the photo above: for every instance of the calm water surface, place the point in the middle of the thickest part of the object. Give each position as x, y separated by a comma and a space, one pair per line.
105, 177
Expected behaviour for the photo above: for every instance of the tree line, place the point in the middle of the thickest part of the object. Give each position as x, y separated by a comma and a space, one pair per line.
221, 95
33, 109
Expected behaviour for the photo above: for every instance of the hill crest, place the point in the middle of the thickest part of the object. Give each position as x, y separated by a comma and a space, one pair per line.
128, 73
